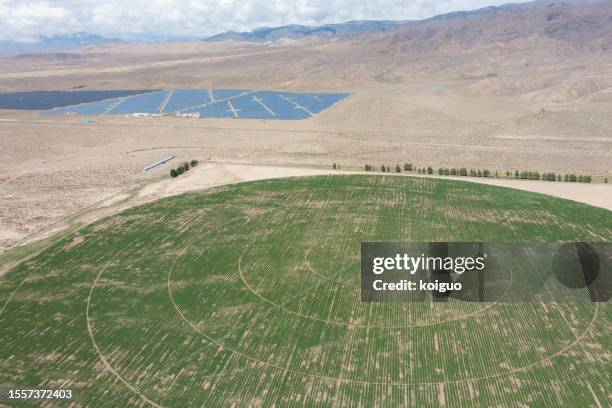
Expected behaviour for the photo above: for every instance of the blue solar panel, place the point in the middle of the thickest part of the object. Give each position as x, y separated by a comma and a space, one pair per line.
227, 93
315, 103
228, 103
186, 98
148, 103
93, 108
55, 99
214, 110
281, 107
251, 107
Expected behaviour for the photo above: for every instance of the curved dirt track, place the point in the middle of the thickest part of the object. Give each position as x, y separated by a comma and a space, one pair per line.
212, 173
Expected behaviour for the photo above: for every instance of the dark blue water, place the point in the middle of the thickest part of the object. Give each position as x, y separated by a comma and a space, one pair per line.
42, 100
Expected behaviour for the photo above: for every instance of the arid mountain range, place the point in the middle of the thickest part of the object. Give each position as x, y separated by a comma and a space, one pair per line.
545, 51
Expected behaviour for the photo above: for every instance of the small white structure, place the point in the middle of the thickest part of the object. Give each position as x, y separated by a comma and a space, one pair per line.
162, 161
192, 115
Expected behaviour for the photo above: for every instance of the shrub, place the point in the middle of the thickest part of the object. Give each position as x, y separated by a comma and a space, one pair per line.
334, 166
463, 171
572, 178
193, 163
173, 173
398, 169
408, 166
383, 168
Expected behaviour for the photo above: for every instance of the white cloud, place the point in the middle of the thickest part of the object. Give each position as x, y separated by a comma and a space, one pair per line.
27, 19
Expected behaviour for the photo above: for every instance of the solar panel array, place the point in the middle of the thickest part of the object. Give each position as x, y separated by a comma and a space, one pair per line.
213, 103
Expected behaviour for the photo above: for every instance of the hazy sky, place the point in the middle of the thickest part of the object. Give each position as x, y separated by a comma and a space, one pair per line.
25, 20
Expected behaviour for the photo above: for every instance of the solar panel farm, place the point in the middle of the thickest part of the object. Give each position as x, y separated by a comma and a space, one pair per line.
248, 295
211, 103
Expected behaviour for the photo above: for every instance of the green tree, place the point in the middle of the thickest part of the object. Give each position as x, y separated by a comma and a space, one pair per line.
429, 170
463, 171
398, 169
383, 168
408, 166
334, 166
173, 173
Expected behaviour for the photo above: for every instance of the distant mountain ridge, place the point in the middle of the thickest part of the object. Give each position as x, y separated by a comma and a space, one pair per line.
351, 28
56, 43
295, 31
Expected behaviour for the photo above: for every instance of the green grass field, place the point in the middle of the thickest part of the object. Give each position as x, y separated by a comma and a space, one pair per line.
248, 295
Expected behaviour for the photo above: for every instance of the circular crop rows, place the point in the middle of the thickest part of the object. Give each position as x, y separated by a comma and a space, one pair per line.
249, 295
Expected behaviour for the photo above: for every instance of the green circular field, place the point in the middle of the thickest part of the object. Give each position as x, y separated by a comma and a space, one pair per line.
249, 295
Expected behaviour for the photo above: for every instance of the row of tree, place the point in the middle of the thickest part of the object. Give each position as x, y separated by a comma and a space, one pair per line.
387, 169
534, 175
183, 168
522, 175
